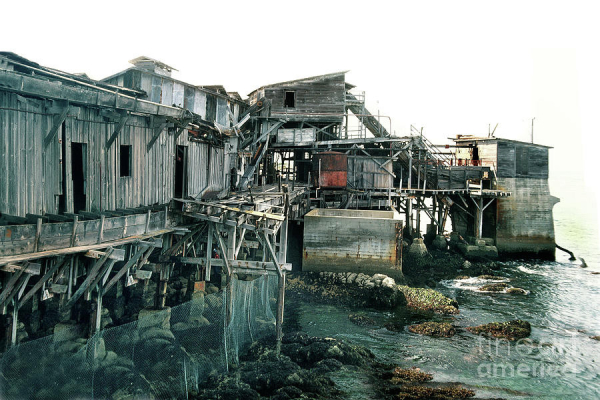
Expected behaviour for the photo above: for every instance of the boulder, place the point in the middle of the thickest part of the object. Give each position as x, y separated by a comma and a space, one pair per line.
511, 330
148, 318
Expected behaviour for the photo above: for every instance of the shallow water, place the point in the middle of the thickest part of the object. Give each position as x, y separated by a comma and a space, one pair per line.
558, 361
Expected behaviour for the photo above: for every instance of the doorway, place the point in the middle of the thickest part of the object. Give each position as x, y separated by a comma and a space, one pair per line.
79, 175
181, 172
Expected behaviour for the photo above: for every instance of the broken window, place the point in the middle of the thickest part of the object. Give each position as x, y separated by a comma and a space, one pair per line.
290, 99
125, 158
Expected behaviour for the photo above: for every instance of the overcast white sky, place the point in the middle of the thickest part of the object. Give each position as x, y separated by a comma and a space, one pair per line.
448, 66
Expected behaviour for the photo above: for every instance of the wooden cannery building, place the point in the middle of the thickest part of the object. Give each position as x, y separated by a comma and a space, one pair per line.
104, 184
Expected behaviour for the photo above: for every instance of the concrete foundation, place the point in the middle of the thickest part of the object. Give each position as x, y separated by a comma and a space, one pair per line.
352, 241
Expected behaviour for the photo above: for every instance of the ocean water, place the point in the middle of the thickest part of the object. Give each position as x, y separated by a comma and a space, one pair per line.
559, 360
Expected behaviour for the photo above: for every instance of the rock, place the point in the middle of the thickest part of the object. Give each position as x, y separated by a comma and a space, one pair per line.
439, 242
66, 331
417, 248
361, 320
434, 329
462, 277
369, 284
467, 264
352, 277
491, 278
210, 289
148, 318
199, 322
410, 375
428, 300
595, 337
388, 282
157, 333
378, 277
516, 290
510, 330
494, 287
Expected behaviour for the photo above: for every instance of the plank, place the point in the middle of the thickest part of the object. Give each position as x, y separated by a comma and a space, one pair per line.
80, 249
58, 120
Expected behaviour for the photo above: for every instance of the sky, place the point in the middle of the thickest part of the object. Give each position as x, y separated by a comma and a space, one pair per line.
449, 67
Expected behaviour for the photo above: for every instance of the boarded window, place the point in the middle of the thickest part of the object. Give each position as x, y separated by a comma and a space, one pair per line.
125, 160
290, 99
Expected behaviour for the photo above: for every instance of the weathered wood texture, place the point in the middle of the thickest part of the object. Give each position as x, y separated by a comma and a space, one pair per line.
20, 239
312, 96
168, 91
31, 177
367, 173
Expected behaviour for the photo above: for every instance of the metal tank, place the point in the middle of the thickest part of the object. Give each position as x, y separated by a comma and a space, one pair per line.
330, 170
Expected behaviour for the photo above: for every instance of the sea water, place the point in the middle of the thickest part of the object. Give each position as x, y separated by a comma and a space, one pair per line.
559, 360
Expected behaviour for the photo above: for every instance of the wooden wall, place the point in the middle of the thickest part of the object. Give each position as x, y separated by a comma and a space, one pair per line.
312, 96
168, 91
31, 176
521, 160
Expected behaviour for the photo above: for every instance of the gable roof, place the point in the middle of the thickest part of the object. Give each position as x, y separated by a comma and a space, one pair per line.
310, 78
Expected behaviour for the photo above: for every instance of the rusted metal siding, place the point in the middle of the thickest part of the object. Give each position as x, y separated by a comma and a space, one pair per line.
352, 241
330, 170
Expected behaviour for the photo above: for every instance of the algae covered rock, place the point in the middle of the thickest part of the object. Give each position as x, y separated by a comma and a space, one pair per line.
434, 329
428, 300
361, 319
511, 330
516, 290
494, 287
412, 375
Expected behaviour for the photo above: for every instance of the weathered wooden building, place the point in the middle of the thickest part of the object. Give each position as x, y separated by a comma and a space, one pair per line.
104, 184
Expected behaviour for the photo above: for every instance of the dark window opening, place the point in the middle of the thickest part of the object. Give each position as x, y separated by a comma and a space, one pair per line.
290, 99
181, 172
79, 174
125, 160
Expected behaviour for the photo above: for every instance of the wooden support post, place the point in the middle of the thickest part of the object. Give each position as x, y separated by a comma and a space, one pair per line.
101, 229
74, 232
161, 288
418, 217
38, 233
280, 309
209, 245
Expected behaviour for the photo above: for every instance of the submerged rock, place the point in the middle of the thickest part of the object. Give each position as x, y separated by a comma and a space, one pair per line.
434, 329
494, 287
361, 320
511, 330
491, 277
516, 290
428, 300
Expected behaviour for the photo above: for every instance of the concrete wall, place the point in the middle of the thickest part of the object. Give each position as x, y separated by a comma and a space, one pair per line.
352, 241
525, 225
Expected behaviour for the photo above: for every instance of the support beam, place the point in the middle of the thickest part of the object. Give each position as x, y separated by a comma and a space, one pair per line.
38, 285
58, 121
122, 121
125, 268
156, 134
90, 277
